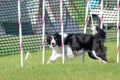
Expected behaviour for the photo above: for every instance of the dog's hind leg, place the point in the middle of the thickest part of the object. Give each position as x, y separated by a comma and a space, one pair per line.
96, 56
90, 54
100, 59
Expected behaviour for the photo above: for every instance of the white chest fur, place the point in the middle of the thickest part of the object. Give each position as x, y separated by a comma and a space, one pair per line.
57, 50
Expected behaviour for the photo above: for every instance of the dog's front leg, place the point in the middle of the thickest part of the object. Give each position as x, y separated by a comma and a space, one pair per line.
53, 57
69, 52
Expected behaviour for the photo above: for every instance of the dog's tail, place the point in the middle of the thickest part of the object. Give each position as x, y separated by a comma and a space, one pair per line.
100, 33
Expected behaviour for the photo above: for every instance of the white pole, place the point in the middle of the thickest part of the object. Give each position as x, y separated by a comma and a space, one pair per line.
118, 35
86, 22
20, 32
101, 17
62, 31
93, 27
43, 32
86, 16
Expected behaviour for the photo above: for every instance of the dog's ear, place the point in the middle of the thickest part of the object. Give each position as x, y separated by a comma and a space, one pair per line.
58, 35
48, 37
47, 34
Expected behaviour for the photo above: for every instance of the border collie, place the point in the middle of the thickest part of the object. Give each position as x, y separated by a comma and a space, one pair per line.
76, 44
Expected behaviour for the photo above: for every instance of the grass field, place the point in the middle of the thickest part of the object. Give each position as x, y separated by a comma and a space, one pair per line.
73, 69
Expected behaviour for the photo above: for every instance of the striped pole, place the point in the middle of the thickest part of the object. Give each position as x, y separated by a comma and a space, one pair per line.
101, 13
43, 32
85, 23
62, 31
20, 32
118, 26
86, 16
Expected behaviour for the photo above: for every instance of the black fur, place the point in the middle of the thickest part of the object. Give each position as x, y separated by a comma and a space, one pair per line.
87, 42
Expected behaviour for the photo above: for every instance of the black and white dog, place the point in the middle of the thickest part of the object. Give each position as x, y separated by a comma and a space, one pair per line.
76, 44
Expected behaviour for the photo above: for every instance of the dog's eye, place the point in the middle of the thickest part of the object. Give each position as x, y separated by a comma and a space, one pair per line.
50, 38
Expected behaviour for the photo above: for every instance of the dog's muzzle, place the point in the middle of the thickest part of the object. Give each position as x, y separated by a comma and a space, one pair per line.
53, 44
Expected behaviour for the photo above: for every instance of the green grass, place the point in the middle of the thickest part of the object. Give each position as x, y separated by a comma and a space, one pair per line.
73, 69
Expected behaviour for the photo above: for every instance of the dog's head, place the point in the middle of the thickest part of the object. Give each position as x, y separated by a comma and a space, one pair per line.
53, 39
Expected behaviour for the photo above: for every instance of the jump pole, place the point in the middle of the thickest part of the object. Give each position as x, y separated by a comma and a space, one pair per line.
86, 16
20, 32
118, 35
85, 23
62, 31
43, 33
101, 15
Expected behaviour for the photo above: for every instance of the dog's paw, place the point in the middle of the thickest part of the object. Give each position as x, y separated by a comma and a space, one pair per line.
104, 62
48, 62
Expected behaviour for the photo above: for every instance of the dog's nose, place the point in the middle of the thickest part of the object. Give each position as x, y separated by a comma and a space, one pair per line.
53, 43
